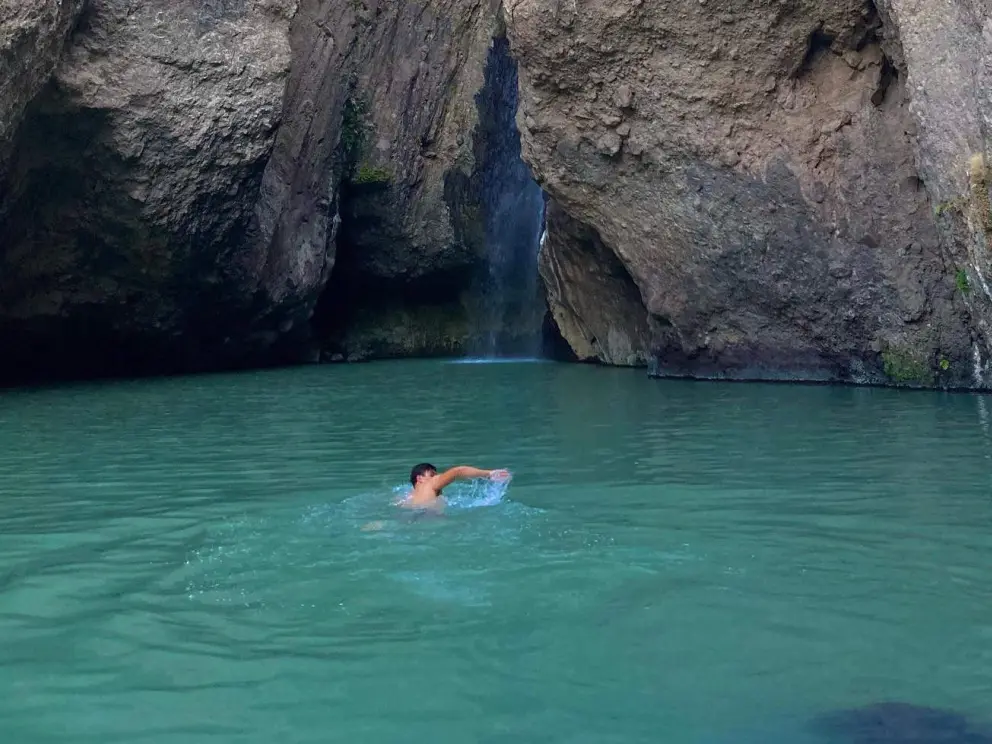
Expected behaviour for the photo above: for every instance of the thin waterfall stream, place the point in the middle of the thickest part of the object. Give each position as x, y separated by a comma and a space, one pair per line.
512, 302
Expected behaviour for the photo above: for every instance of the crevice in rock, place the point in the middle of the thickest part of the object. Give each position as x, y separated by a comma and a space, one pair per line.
511, 301
595, 304
479, 295
887, 75
818, 44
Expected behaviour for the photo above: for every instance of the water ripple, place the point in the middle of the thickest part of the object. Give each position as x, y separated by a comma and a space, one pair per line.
184, 560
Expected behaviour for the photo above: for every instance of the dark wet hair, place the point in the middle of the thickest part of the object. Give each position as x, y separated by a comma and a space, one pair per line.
421, 469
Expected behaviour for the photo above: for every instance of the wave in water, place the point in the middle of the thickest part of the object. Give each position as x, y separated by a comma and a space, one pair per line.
467, 495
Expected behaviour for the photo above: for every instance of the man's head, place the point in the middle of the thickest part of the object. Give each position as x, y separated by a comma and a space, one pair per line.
423, 470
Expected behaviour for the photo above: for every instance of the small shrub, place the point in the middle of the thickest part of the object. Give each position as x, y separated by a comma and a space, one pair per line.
961, 281
947, 206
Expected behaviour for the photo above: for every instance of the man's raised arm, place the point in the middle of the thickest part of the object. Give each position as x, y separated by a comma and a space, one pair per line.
465, 472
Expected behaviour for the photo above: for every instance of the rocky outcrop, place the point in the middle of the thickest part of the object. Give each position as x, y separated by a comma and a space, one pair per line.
133, 180
178, 193
752, 169
741, 188
32, 36
593, 300
411, 237
944, 49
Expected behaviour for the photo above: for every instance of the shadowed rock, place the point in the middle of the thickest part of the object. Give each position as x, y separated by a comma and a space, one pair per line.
899, 723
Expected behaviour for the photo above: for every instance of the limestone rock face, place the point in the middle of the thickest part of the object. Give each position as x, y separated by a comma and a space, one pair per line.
752, 168
738, 188
410, 240
593, 300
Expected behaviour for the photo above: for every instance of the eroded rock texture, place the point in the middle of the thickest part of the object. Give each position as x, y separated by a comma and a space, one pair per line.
32, 36
740, 188
412, 224
944, 48
594, 301
133, 178
177, 192
752, 167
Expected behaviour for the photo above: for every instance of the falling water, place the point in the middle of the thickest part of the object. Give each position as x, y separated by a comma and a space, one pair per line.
513, 306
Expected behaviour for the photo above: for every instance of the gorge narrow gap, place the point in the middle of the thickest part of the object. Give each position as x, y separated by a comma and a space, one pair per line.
482, 295
512, 299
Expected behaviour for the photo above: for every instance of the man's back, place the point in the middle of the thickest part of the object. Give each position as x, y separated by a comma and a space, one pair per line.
423, 496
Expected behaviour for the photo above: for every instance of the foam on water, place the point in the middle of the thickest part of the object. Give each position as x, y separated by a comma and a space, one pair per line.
304, 541
498, 360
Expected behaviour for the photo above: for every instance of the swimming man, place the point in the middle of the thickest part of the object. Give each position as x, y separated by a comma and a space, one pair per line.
428, 484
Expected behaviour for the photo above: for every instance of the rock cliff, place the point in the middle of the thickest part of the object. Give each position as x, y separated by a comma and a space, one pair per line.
738, 188
32, 36
133, 178
759, 180
178, 187
416, 144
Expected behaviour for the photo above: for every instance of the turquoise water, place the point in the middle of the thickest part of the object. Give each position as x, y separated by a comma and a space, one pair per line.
183, 560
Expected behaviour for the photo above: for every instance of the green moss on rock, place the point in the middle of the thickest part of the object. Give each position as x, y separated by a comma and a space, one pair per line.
961, 281
907, 366
368, 175
401, 331
355, 128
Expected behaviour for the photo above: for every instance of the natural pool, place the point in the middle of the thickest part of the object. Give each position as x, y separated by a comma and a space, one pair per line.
182, 560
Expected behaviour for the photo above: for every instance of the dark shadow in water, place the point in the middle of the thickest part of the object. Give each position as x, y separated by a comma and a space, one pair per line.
899, 723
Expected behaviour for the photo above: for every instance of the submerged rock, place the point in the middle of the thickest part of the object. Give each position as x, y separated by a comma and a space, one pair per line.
899, 723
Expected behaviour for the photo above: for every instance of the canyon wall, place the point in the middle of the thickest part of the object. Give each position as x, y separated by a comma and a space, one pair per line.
765, 182
745, 189
181, 172
33, 34
134, 174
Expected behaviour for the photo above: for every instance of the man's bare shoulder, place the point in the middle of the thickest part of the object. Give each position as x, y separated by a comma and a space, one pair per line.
421, 498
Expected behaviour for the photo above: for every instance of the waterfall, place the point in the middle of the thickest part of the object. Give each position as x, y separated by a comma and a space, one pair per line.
512, 301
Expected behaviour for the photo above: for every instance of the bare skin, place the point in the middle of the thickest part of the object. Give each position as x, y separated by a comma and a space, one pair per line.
426, 493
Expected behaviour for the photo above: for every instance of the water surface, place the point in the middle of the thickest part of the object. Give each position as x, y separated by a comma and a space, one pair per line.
183, 560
